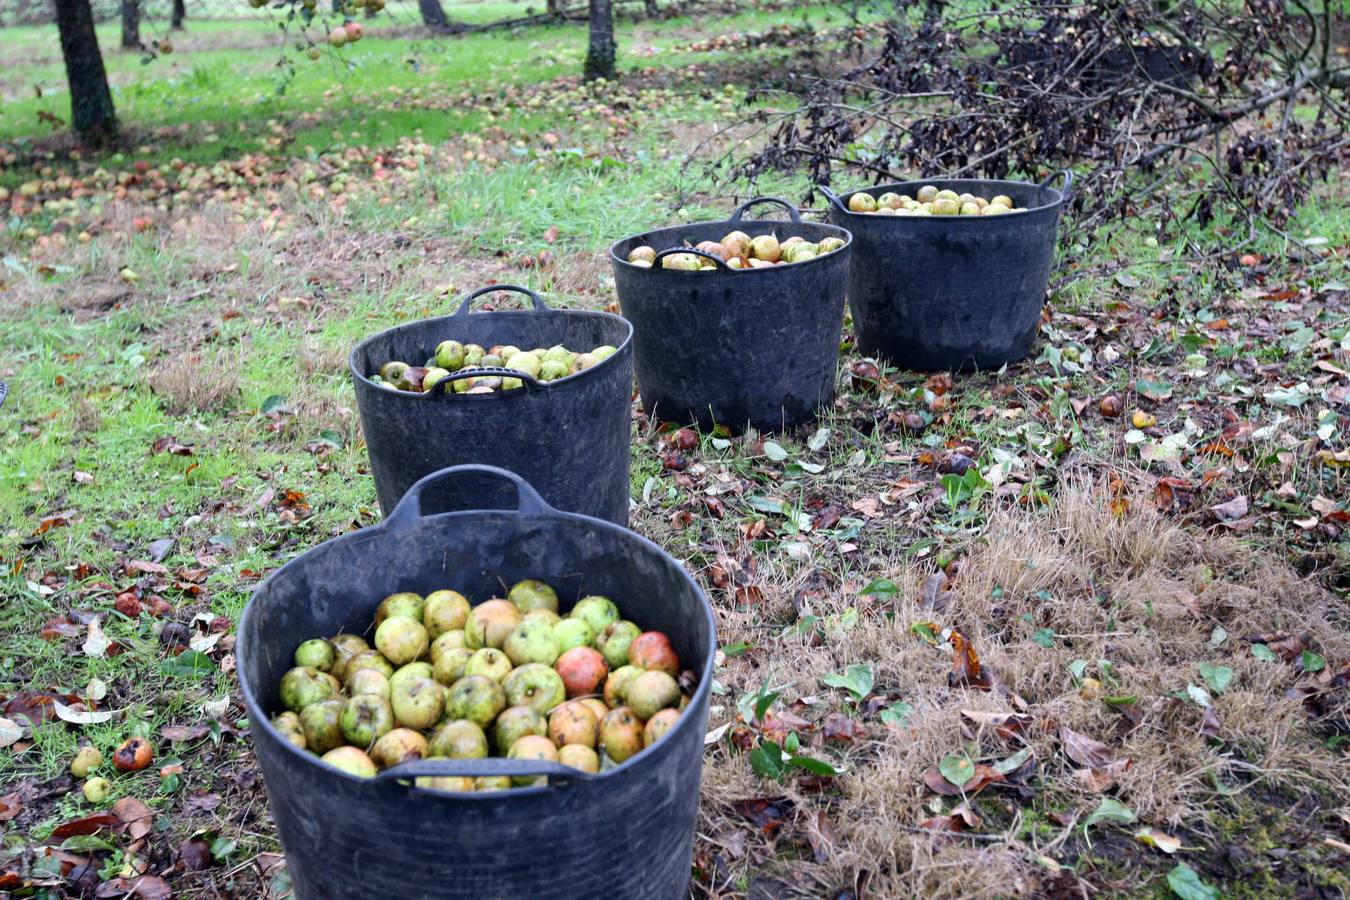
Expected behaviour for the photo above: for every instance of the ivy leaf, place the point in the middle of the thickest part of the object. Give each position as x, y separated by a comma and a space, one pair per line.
1312, 662
880, 588
775, 451
857, 681
1153, 390
813, 765
1263, 653
767, 760
188, 664
896, 715
819, 439
1217, 677
1187, 885
1198, 694
957, 769
1109, 810
1045, 637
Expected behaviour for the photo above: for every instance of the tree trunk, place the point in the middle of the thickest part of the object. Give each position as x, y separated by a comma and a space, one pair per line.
432, 15
652, 10
179, 14
600, 54
551, 7
131, 25
91, 106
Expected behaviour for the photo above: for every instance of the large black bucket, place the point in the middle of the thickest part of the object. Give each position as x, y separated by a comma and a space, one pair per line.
569, 437
627, 832
736, 348
951, 292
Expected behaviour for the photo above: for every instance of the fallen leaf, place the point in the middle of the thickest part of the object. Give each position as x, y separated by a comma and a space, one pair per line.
135, 816
179, 733
1186, 884
820, 834
1006, 725
10, 806
842, 728
1159, 840
81, 716
195, 854
87, 825
551, 234
60, 627
10, 732
1231, 510
1100, 779
957, 769
95, 644
966, 671
766, 814
1084, 750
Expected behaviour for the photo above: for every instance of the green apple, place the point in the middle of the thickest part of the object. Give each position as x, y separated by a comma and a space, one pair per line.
288, 723
411, 670
352, 761
316, 653
450, 640
401, 639
534, 685
531, 642
399, 745
460, 739
650, 692
569, 633
532, 746
451, 665
490, 662
368, 681
614, 641
514, 723
444, 611
404, 603
621, 734
322, 724
478, 699
365, 719
532, 594
418, 702
597, 612
489, 623
304, 686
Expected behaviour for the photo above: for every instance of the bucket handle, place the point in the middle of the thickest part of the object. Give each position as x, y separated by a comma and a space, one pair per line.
539, 303
531, 383
722, 263
409, 509
490, 766
791, 209
1065, 191
833, 198
4, 392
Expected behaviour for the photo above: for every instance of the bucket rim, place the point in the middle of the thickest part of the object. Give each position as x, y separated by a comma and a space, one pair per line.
495, 396
838, 205
731, 224
258, 717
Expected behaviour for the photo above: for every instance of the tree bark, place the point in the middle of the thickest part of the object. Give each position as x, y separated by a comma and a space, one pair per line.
131, 25
652, 10
600, 54
91, 106
179, 14
433, 15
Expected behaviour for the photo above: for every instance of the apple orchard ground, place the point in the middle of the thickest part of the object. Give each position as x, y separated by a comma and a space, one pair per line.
1160, 610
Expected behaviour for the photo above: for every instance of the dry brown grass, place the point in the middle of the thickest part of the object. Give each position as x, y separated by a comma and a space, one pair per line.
191, 385
1135, 590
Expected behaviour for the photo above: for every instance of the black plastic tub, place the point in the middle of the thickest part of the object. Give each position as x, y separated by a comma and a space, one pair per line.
754, 348
568, 437
951, 292
627, 832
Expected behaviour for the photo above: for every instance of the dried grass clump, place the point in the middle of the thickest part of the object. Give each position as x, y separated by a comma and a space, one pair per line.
1134, 590
189, 385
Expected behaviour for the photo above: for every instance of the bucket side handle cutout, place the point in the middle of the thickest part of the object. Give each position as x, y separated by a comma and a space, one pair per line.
832, 197
791, 208
4, 392
529, 381
409, 510
1065, 191
693, 251
538, 301
497, 766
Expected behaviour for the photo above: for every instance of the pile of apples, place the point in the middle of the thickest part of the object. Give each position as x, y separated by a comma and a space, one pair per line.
451, 356
929, 201
740, 251
508, 677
